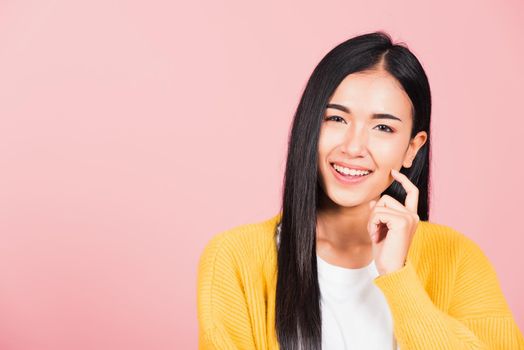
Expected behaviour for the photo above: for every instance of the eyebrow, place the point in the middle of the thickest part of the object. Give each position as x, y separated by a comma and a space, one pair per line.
374, 116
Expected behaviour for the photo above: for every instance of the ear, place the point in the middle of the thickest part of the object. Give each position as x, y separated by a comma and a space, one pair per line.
414, 145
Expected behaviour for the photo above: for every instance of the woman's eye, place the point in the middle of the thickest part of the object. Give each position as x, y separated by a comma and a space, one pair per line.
387, 128
336, 118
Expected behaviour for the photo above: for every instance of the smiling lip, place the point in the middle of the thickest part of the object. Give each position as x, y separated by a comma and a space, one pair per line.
348, 179
345, 165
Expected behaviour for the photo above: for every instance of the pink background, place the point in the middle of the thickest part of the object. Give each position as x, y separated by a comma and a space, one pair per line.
131, 132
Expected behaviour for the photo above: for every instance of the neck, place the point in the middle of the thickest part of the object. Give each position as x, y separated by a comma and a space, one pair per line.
343, 228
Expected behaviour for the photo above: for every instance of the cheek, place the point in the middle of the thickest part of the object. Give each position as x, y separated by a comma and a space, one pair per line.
329, 139
389, 154
326, 145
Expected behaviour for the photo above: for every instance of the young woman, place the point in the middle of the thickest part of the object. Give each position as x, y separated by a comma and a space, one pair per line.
352, 261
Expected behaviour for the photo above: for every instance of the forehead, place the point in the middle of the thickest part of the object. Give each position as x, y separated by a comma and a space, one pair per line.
373, 91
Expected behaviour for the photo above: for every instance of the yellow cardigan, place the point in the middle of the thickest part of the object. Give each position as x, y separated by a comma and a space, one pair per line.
447, 296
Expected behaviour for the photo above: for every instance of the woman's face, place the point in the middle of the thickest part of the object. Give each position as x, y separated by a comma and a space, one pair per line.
366, 124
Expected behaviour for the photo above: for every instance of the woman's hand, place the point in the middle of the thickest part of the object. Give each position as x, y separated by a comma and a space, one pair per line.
392, 226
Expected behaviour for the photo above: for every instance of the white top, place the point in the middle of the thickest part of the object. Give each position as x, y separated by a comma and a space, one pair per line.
355, 313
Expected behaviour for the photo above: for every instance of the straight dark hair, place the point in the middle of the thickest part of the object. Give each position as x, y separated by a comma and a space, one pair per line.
298, 315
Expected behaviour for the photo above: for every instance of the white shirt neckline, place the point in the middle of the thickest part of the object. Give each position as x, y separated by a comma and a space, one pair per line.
345, 276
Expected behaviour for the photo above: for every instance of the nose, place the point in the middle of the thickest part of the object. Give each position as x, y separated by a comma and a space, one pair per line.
355, 140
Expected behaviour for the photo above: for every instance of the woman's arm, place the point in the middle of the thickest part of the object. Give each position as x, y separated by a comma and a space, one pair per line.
478, 317
223, 316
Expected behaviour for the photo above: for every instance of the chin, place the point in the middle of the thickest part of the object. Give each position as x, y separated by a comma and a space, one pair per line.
344, 201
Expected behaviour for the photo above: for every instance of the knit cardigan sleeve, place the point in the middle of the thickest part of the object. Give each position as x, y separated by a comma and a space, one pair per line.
222, 307
478, 316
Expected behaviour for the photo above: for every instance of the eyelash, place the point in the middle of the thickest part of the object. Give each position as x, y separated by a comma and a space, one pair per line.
336, 116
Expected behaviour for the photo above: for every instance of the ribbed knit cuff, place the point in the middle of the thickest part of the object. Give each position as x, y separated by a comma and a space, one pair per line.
405, 293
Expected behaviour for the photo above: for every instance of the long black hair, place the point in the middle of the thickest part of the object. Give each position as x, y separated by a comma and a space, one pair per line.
298, 316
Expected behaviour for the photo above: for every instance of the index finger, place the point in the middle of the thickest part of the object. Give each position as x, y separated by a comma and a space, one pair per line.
411, 202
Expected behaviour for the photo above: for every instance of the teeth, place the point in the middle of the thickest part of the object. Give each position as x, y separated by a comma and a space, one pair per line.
352, 172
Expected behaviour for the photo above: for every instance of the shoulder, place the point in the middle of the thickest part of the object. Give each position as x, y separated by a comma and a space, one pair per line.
437, 231
472, 273
440, 234
229, 281
436, 239
242, 244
